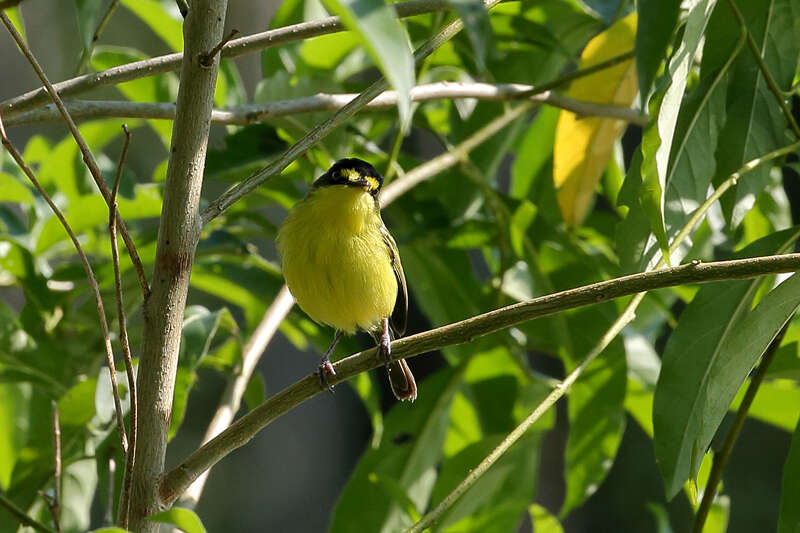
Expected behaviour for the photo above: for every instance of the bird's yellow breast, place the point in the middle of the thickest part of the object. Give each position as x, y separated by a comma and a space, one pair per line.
335, 260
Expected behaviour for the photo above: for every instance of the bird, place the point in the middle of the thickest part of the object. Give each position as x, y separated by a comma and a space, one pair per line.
343, 267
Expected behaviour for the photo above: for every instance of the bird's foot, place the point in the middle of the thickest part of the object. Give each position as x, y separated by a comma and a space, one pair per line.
325, 369
384, 347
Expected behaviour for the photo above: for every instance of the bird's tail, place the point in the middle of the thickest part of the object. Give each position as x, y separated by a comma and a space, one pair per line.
404, 386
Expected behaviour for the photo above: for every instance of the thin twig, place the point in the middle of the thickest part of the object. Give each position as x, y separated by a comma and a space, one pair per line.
130, 457
250, 113
245, 187
175, 482
88, 158
207, 60
771, 83
112, 473
23, 518
721, 457
627, 315
235, 48
89, 274
582, 73
54, 503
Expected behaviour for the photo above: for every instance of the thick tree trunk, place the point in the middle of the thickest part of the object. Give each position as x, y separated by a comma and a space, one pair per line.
178, 234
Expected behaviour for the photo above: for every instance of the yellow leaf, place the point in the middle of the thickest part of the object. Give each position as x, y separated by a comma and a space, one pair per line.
584, 145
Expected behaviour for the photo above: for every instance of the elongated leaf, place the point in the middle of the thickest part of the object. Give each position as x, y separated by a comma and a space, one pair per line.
14, 407
183, 519
385, 40
657, 20
88, 12
789, 517
664, 107
708, 357
754, 123
584, 145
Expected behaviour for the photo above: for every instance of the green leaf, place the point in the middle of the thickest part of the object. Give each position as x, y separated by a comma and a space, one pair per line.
535, 150
657, 21
664, 107
88, 12
160, 21
184, 519
77, 406
256, 391
16, 19
543, 521
14, 424
754, 123
385, 40
408, 454
109, 530
789, 516
200, 326
14, 190
707, 358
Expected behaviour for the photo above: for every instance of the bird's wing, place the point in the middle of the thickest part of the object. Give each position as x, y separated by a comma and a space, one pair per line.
400, 312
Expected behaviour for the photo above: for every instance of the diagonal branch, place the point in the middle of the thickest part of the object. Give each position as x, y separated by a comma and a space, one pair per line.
176, 481
88, 158
235, 48
250, 113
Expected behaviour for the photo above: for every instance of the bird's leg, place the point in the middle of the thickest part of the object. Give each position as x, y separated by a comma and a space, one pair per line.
325, 367
384, 342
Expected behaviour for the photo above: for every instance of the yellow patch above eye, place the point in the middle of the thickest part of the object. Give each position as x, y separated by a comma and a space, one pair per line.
350, 173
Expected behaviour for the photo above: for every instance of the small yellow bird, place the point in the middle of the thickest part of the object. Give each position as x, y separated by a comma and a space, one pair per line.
342, 265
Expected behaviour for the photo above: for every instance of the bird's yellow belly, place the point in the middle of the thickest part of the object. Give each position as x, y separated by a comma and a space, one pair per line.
337, 265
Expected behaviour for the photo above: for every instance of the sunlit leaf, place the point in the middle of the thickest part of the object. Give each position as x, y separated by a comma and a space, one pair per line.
163, 23
583, 145
789, 517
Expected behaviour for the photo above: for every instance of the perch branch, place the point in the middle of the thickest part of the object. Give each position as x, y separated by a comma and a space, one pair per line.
619, 324
175, 482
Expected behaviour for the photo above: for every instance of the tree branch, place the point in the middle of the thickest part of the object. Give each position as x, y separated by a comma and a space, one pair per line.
250, 113
235, 48
88, 158
179, 232
176, 481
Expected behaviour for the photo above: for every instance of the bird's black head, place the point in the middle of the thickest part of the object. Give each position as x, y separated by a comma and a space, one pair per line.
352, 172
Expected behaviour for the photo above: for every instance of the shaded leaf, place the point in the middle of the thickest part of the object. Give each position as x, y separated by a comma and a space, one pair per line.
476, 23
657, 21
708, 357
